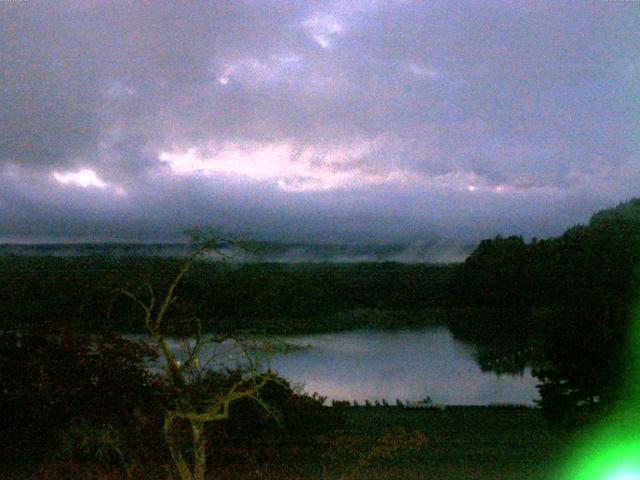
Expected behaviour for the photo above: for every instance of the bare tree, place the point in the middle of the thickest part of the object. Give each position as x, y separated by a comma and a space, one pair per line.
179, 372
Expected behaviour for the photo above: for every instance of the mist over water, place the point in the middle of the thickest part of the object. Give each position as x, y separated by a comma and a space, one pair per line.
436, 251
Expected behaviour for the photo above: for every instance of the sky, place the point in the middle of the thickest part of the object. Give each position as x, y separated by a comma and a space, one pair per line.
316, 121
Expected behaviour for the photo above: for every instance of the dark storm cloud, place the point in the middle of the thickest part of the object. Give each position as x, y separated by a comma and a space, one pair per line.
343, 119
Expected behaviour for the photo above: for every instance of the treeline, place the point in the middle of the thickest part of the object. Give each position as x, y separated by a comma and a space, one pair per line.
566, 302
591, 263
87, 292
589, 268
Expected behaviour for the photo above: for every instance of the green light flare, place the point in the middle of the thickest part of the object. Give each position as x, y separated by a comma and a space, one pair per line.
611, 458
624, 475
611, 450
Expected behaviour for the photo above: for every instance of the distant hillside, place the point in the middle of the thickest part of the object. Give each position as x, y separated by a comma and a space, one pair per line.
434, 251
628, 212
588, 263
567, 302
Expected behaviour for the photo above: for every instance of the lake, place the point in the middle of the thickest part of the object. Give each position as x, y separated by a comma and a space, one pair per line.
409, 364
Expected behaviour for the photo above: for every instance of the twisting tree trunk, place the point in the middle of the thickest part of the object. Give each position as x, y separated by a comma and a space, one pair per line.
176, 373
199, 452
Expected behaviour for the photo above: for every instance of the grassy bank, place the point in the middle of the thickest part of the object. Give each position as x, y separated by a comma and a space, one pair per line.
461, 443
457, 443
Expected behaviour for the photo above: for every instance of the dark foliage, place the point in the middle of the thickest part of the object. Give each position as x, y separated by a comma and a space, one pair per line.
584, 369
575, 295
288, 428
52, 378
275, 298
90, 400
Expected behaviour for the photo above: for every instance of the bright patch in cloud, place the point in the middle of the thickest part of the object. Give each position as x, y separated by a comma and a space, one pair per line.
275, 68
289, 166
423, 71
295, 168
323, 29
83, 178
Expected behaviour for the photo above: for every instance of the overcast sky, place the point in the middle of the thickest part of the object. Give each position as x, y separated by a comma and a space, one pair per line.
348, 120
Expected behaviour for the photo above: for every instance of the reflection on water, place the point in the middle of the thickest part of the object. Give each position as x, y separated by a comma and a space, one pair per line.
400, 364
405, 364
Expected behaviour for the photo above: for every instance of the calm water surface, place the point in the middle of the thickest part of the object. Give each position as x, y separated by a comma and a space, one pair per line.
400, 364
404, 364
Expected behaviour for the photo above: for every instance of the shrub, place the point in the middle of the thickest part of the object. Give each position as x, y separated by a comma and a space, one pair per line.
52, 377
293, 419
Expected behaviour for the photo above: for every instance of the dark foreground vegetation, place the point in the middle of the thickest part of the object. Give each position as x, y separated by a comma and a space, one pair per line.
85, 407
77, 401
77, 405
